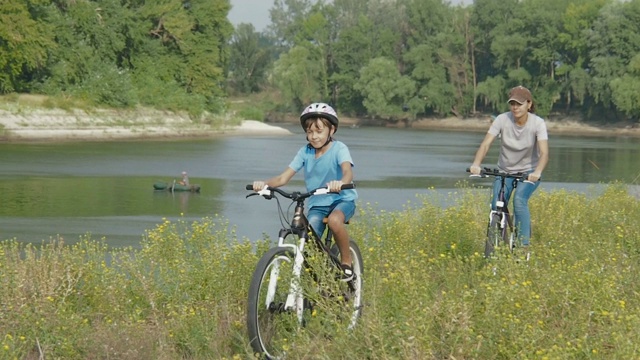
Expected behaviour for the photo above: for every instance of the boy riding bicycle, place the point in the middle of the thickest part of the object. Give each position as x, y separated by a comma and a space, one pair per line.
326, 162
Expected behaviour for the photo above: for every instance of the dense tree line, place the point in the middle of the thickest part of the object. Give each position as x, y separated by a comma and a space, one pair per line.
170, 54
385, 59
398, 59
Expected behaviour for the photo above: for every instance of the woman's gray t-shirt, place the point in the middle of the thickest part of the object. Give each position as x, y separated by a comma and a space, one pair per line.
519, 149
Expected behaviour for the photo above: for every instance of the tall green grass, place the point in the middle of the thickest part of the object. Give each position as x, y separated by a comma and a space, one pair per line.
429, 294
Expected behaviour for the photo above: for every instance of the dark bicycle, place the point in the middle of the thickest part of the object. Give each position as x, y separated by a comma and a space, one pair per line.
288, 284
501, 228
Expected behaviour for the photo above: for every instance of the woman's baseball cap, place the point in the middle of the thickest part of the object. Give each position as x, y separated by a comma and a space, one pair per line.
520, 94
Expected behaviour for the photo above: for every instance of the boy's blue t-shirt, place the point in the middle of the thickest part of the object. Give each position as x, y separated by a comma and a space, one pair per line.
318, 172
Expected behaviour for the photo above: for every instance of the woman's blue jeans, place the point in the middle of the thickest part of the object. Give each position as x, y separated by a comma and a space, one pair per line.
520, 204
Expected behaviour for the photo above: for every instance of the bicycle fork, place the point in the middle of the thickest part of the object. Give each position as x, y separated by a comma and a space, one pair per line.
295, 300
504, 224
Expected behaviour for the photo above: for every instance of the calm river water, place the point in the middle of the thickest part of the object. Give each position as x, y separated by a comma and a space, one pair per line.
105, 189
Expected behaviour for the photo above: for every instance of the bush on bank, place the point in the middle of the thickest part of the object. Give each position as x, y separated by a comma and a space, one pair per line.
429, 294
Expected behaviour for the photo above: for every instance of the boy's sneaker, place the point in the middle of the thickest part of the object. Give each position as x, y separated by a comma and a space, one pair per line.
347, 273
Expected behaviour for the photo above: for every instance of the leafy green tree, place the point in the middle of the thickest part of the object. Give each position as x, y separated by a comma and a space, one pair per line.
625, 90
524, 42
349, 12
501, 46
458, 58
24, 40
187, 42
312, 42
297, 75
88, 59
490, 20
614, 40
249, 59
425, 20
573, 50
544, 21
316, 33
361, 39
433, 45
491, 92
435, 94
286, 17
431, 57
385, 91
354, 48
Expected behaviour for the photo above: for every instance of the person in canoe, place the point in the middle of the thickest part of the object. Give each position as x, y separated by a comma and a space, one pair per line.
185, 179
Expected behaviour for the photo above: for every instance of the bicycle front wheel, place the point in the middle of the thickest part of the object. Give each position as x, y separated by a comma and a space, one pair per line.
494, 235
272, 325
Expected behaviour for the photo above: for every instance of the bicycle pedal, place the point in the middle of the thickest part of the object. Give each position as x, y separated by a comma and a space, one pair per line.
326, 294
347, 275
308, 304
343, 296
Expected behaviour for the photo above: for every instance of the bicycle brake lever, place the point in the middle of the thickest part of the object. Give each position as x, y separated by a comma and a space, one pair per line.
268, 197
267, 194
321, 191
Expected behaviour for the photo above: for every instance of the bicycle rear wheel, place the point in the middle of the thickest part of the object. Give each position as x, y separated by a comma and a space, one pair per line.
353, 288
271, 327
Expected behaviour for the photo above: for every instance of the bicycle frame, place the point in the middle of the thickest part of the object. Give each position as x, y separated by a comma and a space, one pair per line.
300, 227
502, 210
279, 303
505, 225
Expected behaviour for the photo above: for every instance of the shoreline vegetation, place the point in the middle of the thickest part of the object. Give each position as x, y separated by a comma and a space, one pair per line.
182, 294
19, 124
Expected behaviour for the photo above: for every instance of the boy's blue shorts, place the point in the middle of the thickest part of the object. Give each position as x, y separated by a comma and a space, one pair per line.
317, 213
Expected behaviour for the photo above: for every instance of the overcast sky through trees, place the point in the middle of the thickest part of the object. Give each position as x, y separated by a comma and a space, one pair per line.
256, 12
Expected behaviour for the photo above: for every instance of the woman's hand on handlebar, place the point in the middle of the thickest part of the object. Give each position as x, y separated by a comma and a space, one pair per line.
475, 170
533, 177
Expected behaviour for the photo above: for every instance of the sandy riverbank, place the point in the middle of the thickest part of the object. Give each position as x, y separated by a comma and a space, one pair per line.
555, 126
61, 125
101, 125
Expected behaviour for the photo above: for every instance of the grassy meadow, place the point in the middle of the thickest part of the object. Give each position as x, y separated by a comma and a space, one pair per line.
429, 294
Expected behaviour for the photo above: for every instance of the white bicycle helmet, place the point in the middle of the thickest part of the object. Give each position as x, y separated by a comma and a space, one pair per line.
319, 110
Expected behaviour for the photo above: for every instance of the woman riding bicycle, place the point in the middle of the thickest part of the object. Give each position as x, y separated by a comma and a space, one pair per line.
524, 148
326, 162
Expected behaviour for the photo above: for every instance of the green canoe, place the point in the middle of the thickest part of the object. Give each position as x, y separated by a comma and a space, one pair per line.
164, 186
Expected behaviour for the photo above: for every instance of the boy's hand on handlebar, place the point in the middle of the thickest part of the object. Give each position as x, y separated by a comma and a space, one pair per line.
335, 186
258, 185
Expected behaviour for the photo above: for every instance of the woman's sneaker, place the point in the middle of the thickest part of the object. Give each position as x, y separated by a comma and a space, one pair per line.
347, 273
522, 253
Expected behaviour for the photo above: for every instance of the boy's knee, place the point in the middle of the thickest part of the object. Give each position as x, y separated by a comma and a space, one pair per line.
336, 219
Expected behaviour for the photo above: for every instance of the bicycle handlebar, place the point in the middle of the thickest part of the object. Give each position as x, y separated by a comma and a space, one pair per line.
296, 195
486, 172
